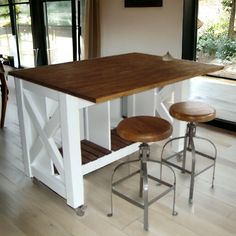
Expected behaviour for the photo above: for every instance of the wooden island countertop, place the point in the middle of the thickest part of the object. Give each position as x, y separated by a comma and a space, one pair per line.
102, 79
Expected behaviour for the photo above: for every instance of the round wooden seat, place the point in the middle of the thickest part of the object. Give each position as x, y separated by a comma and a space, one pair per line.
192, 111
144, 129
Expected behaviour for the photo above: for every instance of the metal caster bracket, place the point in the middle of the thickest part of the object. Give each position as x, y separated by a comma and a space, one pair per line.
35, 180
81, 210
175, 213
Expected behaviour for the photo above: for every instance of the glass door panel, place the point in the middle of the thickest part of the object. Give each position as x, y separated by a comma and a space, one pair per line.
217, 35
3, 2
21, 1
5, 31
58, 21
24, 31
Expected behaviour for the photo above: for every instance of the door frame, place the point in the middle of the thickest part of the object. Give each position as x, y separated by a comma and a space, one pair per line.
39, 29
189, 38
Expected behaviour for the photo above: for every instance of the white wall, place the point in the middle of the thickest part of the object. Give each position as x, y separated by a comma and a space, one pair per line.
149, 30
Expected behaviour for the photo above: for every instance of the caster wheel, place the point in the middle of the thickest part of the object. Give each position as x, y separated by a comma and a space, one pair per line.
81, 210
35, 180
175, 213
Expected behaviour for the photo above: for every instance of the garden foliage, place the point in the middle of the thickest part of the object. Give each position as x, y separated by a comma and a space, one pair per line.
213, 41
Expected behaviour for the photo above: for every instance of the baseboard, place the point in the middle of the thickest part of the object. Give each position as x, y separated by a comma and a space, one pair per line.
224, 124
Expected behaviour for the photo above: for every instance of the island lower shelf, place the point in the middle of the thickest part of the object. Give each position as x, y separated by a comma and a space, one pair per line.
91, 151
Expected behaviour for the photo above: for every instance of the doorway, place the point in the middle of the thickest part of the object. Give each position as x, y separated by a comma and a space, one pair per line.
55, 24
39, 32
216, 43
58, 24
16, 43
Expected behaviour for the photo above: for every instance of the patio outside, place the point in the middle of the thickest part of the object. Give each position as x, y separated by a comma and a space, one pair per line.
217, 35
58, 33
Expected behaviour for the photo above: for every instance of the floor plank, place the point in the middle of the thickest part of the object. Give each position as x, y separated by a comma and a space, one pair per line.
28, 208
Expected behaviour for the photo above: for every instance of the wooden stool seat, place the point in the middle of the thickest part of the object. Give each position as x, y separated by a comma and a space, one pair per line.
192, 111
144, 129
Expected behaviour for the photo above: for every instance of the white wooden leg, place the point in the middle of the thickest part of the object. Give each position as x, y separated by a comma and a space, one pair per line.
181, 93
130, 105
99, 127
163, 98
70, 130
24, 128
143, 103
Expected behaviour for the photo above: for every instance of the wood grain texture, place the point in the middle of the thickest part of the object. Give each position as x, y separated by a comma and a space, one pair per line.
144, 129
117, 142
192, 111
107, 78
90, 151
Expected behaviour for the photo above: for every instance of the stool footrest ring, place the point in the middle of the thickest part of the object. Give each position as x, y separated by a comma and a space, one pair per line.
189, 146
138, 204
144, 201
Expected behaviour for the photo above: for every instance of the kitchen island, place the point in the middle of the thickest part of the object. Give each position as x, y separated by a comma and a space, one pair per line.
68, 113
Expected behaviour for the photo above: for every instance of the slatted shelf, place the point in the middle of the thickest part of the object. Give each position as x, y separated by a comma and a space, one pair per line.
91, 151
117, 142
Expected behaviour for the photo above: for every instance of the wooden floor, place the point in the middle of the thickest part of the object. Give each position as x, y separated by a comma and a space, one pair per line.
32, 209
218, 92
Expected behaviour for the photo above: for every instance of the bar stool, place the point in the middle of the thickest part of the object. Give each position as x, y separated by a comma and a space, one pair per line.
193, 112
143, 129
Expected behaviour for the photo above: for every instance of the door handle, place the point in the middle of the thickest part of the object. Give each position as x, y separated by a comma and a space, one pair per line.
36, 51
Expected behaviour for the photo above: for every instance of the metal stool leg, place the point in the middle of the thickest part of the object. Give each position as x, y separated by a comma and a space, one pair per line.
191, 142
141, 181
174, 212
145, 194
141, 175
111, 198
213, 175
186, 140
145, 149
192, 177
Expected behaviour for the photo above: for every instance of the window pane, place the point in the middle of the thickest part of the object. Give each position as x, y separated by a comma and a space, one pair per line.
25, 35
3, 2
5, 31
24, 1
59, 31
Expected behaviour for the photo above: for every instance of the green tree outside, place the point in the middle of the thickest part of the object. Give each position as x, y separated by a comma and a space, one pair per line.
218, 39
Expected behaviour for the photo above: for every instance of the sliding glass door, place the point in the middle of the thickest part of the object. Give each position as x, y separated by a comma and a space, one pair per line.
210, 37
24, 33
5, 28
217, 35
58, 25
15, 32
40, 32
